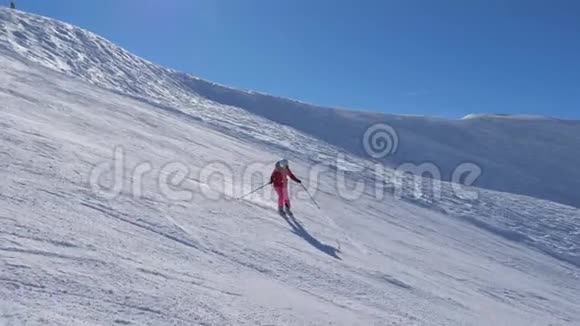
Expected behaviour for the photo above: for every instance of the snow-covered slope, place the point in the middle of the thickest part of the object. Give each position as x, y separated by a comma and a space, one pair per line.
73, 256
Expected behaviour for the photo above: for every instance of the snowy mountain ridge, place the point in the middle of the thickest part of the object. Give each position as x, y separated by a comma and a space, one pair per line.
508, 116
498, 258
521, 155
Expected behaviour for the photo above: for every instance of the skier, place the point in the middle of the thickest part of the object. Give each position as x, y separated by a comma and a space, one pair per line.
279, 180
12, 5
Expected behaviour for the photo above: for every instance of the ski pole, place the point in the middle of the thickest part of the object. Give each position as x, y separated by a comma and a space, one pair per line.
311, 198
253, 191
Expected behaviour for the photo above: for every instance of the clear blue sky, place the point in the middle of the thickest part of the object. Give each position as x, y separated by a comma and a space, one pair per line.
441, 58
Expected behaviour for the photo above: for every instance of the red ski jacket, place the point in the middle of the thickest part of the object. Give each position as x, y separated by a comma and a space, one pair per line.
279, 177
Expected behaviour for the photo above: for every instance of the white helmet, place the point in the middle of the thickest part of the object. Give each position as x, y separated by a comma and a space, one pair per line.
282, 163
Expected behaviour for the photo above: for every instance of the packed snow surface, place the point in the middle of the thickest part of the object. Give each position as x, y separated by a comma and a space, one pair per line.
172, 246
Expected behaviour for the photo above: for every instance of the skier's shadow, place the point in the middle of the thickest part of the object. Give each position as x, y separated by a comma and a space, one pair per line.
300, 231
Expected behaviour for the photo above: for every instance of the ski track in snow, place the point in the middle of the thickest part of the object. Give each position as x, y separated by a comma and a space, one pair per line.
71, 257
